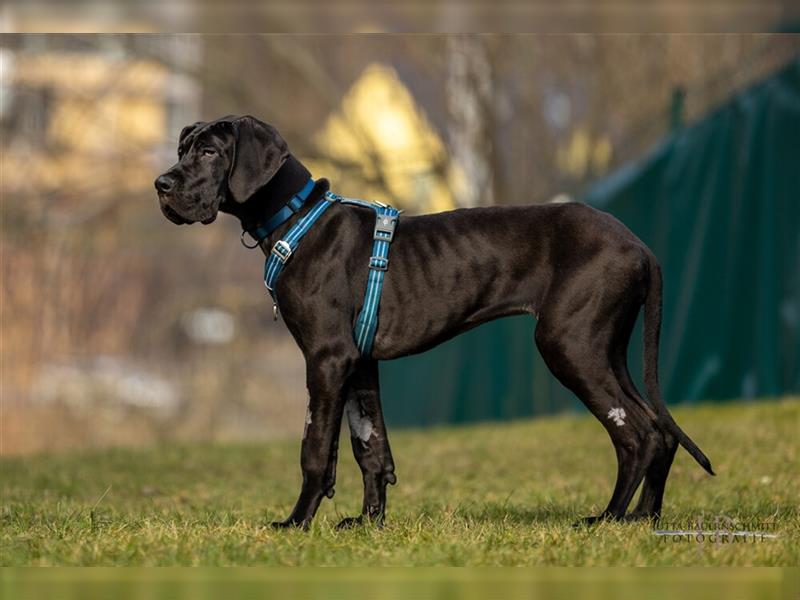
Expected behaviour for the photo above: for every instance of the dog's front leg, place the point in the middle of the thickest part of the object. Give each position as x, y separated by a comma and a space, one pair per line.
326, 381
370, 442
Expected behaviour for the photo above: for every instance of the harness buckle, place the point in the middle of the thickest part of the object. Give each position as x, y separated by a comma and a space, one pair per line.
384, 228
282, 251
379, 263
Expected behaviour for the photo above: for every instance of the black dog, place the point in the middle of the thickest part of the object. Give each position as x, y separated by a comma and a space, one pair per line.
578, 270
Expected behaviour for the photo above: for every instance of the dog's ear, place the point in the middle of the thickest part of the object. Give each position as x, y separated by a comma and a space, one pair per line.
185, 132
258, 152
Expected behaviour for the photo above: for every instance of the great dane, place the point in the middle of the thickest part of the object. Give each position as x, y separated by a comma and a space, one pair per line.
579, 271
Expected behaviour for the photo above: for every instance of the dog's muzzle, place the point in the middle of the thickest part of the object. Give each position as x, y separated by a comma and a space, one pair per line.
173, 216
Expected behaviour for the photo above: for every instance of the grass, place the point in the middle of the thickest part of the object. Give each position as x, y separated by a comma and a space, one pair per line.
499, 494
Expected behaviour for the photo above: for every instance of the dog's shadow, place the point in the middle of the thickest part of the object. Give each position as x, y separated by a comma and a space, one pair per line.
497, 512
572, 515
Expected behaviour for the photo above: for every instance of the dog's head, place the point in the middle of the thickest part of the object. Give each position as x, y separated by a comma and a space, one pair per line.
222, 161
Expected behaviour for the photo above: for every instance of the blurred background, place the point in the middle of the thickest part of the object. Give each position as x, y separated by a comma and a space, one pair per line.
119, 328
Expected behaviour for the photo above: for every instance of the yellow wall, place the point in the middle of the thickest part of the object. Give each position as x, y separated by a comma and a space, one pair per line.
104, 118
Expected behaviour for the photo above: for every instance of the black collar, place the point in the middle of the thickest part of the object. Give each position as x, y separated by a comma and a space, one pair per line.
271, 199
286, 212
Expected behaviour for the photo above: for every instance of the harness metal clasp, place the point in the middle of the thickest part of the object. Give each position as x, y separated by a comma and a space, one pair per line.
384, 228
282, 251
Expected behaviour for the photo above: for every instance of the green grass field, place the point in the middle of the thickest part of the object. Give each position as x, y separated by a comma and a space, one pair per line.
500, 494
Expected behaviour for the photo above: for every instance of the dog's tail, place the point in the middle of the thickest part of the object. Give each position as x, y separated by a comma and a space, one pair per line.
652, 332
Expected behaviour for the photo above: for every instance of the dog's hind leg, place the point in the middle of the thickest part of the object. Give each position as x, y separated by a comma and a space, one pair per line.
578, 347
370, 442
652, 494
655, 481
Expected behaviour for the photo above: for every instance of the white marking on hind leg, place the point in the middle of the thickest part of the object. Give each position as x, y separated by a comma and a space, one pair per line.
360, 426
618, 416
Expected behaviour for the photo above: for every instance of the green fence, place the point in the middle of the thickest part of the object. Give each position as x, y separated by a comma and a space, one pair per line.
719, 204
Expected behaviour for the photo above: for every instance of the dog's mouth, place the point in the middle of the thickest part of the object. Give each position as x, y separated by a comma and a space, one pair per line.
173, 216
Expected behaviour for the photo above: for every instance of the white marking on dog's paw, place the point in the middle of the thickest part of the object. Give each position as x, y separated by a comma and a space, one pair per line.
618, 416
360, 426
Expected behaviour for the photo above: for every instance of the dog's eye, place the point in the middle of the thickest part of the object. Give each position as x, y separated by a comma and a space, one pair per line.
209, 151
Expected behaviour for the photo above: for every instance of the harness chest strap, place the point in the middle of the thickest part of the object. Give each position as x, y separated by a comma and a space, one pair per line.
284, 248
385, 223
367, 322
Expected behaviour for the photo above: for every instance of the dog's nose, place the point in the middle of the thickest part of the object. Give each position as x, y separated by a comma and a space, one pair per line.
164, 183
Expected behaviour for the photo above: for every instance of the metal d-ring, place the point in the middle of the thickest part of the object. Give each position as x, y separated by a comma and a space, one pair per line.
241, 239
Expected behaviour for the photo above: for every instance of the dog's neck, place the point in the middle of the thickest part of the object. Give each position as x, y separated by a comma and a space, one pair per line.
286, 182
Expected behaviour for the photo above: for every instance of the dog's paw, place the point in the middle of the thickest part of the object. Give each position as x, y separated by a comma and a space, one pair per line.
290, 523
376, 520
593, 520
635, 517
350, 522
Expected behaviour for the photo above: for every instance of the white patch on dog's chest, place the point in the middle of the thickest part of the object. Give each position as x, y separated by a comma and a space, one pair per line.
360, 426
618, 416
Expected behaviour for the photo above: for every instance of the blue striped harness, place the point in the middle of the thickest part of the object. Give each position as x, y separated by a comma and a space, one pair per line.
385, 223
